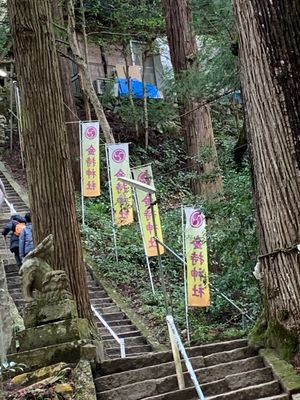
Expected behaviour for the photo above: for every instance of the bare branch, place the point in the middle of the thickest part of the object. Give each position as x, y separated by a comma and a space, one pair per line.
110, 33
85, 76
67, 56
205, 103
62, 42
62, 28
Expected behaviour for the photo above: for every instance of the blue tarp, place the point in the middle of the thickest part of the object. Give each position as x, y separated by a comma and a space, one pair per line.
137, 89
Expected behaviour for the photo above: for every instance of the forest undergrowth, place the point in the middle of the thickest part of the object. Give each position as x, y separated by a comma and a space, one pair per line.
231, 234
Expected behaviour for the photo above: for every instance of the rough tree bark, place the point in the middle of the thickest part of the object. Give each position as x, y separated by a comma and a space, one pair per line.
87, 107
46, 148
86, 79
195, 120
69, 103
269, 51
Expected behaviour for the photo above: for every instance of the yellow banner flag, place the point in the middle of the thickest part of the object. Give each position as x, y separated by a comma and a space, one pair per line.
90, 159
144, 175
196, 259
118, 161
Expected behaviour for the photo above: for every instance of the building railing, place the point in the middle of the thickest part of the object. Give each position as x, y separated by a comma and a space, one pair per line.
119, 340
239, 309
177, 346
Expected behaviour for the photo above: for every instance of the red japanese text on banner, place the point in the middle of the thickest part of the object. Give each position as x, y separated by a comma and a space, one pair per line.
196, 259
118, 158
144, 175
90, 159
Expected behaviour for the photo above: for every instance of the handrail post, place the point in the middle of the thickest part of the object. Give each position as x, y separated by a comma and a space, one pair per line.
177, 360
122, 348
188, 364
243, 320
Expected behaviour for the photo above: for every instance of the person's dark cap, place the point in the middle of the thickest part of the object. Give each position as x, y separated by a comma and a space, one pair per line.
28, 217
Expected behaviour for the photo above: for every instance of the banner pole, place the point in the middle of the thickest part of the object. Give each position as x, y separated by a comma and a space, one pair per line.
111, 204
161, 271
184, 278
81, 174
144, 243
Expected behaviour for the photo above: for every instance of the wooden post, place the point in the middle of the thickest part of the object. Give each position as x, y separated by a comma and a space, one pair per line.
177, 360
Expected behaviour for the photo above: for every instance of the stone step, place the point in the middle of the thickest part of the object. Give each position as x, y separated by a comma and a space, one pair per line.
93, 285
11, 268
94, 288
12, 275
129, 341
282, 396
108, 336
99, 294
103, 300
107, 309
249, 393
205, 374
134, 363
12, 286
115, 316
164, 385
116, 323
118, 329
231, 355
114, 352
19, 304
17, 296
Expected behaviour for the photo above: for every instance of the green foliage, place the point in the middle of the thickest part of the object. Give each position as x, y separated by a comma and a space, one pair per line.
231, 240
10, 367
4, 28
139, 19
230, 218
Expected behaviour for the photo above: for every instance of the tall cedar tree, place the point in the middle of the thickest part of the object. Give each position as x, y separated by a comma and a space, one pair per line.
269, 51
195, 120
69, 100
46, 147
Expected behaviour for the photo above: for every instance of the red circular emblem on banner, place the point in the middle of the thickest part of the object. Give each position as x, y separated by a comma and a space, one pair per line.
142, 177
196, 219
118, 155
90, 132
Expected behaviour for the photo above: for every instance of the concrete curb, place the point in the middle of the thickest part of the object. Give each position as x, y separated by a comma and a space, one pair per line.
283, 371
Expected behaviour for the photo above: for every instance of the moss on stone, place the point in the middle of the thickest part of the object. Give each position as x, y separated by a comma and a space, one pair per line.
284, 371
276, 336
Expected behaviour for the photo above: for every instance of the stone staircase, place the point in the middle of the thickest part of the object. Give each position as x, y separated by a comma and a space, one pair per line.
135, 343
229, 370
21, 208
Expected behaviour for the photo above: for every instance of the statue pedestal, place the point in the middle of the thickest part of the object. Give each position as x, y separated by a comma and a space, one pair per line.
54, 333
40, 312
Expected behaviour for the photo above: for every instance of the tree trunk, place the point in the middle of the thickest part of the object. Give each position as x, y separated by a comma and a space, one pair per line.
145, 99
87, 107
86, 79
125, 51
46, 148
195, 120
69, 104
269, 49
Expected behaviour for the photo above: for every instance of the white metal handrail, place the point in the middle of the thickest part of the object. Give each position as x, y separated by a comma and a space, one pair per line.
120, 341
174, 336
